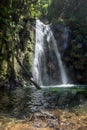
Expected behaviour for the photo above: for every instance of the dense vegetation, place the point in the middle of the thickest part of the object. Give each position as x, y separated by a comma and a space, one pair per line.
17, 20
16, 37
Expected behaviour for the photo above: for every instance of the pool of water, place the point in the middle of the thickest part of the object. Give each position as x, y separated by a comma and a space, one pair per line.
21, 102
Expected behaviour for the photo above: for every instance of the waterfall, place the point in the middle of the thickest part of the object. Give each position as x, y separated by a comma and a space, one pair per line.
48, 67
62, 70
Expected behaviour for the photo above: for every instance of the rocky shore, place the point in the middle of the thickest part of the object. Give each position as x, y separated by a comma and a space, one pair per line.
47, 120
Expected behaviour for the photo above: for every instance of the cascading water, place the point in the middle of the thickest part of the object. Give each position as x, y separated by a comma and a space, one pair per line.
62, 70
39, 69
48, 68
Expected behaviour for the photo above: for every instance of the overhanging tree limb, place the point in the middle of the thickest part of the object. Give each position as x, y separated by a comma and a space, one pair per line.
23, 67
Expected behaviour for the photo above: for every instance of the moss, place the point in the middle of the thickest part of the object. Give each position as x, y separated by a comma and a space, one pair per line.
3, 70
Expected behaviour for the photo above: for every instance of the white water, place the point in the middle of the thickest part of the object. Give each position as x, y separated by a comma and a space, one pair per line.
54, 45
40, 65
61, 86
62, 70
39, 53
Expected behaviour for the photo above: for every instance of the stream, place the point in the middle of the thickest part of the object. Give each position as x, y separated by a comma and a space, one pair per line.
22, 102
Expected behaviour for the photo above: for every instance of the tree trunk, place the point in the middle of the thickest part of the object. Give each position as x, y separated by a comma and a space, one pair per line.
23, 67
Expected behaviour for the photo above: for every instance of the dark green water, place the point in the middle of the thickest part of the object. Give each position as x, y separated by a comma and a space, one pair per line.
22, 102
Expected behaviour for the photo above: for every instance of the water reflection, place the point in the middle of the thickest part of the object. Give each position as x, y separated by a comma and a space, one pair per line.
22, 102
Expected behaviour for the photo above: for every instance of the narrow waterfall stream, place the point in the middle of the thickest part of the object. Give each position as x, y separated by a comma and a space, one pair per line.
48, 67
62, 70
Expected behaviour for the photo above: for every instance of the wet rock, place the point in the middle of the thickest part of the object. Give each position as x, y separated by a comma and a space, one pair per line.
19, 127
48, 120
25, 127
2, 128
82, 128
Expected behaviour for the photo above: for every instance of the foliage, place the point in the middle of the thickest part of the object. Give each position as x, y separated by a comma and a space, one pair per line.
72, 13
13, 20
41, 8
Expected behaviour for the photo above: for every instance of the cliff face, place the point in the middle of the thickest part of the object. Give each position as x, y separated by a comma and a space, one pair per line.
16, 38
73, 52
72, 14
75, 58
10, 70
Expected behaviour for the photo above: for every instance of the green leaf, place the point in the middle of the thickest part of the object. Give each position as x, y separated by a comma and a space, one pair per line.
45, 6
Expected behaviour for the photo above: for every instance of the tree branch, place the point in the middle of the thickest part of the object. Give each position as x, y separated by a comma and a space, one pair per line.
25, 70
